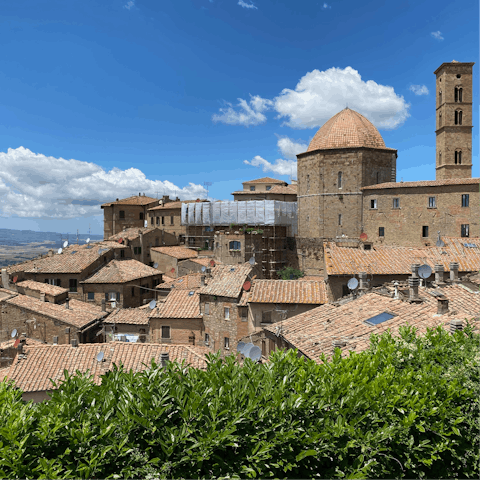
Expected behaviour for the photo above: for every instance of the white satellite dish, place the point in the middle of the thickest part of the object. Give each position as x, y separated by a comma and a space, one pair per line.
247, 348
424, 271
255, 353
99, 251
14, 333
240, 346
203, 269
152, 304
59, 250
352, 283
252, 261
155, 265
100, 356
87, 240
65, 244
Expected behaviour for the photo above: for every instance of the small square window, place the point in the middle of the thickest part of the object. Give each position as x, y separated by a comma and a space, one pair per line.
269, 187
373, 203
122, 253
165, 331
424, 231
465, 200
226, 343
381, 231
252, 188
90, 296
121, 214
432, 203
112, 296
465, 230
396, 203
72, 284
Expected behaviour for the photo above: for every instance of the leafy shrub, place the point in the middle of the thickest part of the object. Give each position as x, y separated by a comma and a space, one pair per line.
406, 408
290, 273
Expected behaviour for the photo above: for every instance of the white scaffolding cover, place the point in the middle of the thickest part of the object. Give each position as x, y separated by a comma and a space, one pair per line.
184, 213
206, 213
198, 213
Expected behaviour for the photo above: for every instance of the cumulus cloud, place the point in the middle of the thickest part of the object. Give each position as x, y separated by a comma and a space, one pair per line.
248, 113
246, 5
36, 186
419, 89
289, 148
129, 5
437, 35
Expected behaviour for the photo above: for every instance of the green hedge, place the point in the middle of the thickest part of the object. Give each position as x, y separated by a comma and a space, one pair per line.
406, 408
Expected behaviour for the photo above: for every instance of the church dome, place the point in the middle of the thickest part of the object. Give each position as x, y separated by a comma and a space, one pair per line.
346, 129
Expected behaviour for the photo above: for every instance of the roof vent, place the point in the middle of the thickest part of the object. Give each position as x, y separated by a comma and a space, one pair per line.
456, 325
164, 358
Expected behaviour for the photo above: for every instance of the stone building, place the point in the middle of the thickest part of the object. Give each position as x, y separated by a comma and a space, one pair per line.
121, 283
347, 180
169, 258
129, 212
130, 324
42, 291
190, 281
267, 188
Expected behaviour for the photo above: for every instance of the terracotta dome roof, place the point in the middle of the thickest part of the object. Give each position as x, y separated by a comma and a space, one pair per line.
346, 129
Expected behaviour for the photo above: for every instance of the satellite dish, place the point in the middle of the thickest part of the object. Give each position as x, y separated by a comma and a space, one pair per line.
424, 271
59, 250
120, 240
190, 293
252, 261
240, 346
363, 236
15, 279
352, 283
14, 333
247, 348
152, 304
232, 269
172, 270
247, 285
99, 251
212, 263
100, 356
203, 269
255, 353
87, 240
155, 265
65, 244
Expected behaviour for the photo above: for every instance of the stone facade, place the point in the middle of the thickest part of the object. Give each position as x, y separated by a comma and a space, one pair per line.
183, 331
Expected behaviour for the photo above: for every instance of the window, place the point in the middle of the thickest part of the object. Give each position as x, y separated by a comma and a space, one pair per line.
207, 339
90, 296
141, 216
266, 317
122, 253
72, 284
244, 314
440, 119
163, 220
207, 309
269, 187
440, 96
308, 183
171, 219
458, 117
465, 231
252, 188
373, 203
158, 220
112, 296
226, 312
380, 318
226, 343
465, 200
233, 245
381, 231
432, 202
339, 218
458, 157
458, 94
440, 158
152, 220
425, 231
165, 331
339, 180
121, 213
396, 203
191, 339
137, 250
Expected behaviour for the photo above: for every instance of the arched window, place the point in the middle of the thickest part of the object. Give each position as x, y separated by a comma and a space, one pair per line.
440, 96
460, 94
141, 215
440, 119
339, 180
458, 117
456, 94
458, 157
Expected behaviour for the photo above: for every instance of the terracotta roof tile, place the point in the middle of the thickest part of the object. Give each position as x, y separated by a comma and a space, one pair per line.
42, 363
179, 304
134, 200
387, 260
288, 291
265, 180
122, 271
187, 282
129, 316
204, 261
284, 190
80, 314
180, 253
347, 129
42, 287
314, 331
424, 183
132, 233
168, 206
227, 280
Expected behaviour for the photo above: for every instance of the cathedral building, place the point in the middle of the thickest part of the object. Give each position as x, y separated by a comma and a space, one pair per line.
347, 188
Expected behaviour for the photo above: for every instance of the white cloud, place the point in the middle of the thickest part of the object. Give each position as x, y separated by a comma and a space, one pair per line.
419, 89
321, 94
325, 6
250, 113
280, 167
36, 186
437, 35
129, 5
289, 148
246, 5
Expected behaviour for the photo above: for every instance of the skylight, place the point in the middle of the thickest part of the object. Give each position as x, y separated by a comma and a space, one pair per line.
380, 318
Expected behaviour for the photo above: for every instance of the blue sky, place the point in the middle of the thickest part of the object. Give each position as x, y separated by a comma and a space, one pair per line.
106, 99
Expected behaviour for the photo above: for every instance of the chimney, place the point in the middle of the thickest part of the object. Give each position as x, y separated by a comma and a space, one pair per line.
50, 253
439, 270
67, 303
117, 200
139, 194
454, 272
455, 325
74, 342
415, 267
442, 305
202, 280
413, 283
5, 279
42, 297
363, 281
164, 358
104, 306
208, 272
55, 340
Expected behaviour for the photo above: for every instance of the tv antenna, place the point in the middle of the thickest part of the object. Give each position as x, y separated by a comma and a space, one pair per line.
207, 184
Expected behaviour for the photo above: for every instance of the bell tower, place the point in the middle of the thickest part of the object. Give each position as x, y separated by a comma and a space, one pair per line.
454, 120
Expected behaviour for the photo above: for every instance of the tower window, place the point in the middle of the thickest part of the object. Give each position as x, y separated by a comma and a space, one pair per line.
252, 188
378, 177
440, 119
458, 157
456, 94
465, 200
308, 183
339, 218
425, 231
158, 220
458, 117
381, 231
439, 158
226, 343
458, 75
460, 94
440, 96
339, 179
165, 331
465, 231
396, 203
151, 220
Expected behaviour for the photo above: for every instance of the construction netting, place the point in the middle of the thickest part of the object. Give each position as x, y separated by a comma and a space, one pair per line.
253, 212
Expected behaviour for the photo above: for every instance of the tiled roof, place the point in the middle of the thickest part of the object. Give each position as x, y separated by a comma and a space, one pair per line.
73, 259
33, 372
129, 316
225, 282
79, 314
168, 206
284, 190
424, 183
167, 279
135, 200
28, 341
317, 278
187, 282
347, 129
387, 260
42, 287
265, 180
132, 233
179, 304
180, 253
121, 271
288, 291
314, 331
204, 261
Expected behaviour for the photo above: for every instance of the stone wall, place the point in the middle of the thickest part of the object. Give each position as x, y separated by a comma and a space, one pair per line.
186, 331
60, 298
113, 224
